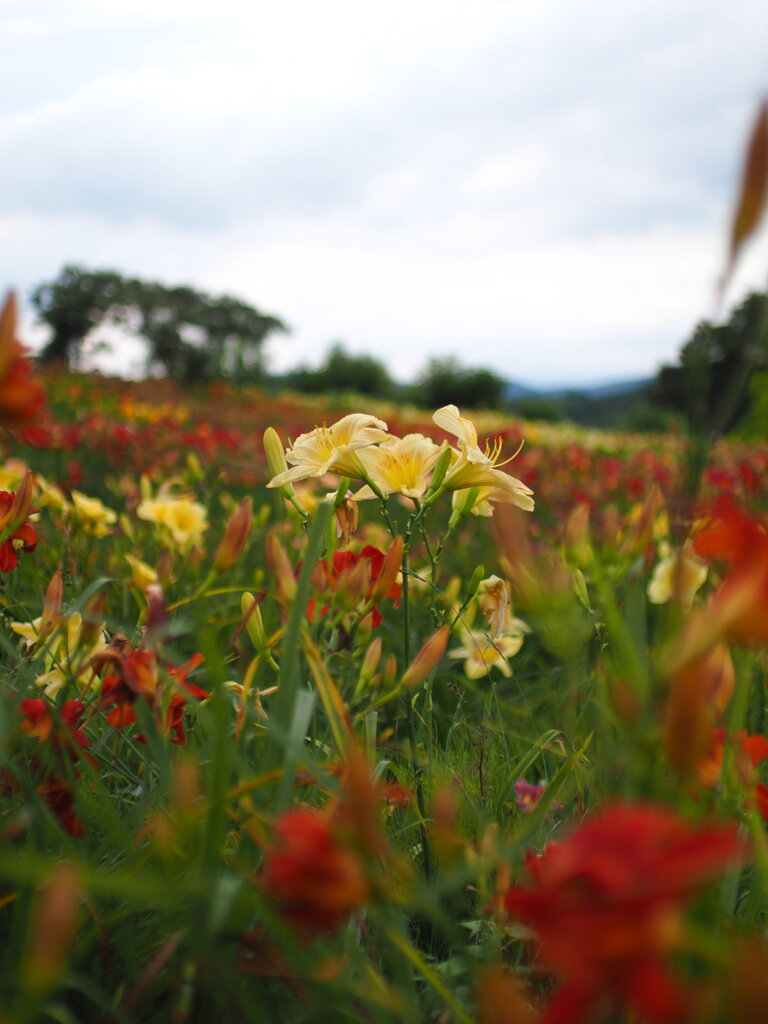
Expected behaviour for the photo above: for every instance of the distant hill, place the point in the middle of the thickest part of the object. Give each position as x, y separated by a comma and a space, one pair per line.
516, 390
618, 404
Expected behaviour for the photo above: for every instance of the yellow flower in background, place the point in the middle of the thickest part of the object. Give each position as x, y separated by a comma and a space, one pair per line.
11, 474
141, 573
332, 449
399, 465
676, 577
93, 515
67, 654
50, 496
182, 519
481, 654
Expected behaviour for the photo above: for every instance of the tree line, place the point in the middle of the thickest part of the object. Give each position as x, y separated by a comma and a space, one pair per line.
719, 382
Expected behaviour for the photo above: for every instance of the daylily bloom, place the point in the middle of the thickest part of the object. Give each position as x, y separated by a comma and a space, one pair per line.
22, 396
332, 449
481, 653
749, 752
141, 676
183, 520
472, 467
400, 465
677, 576
607, 907
94, 516
315, 881
16, 534
68, 649
740, 604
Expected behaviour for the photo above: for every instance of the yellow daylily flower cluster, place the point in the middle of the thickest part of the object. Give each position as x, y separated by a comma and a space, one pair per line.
68, 651
92, 514
182, 520
359, 446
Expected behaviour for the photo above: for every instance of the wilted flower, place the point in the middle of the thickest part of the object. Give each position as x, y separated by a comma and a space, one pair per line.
607, 907
493, 598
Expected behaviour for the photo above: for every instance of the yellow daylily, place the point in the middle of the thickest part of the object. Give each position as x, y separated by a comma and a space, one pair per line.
471, 467
182, 519
677, 576
332, 449
481, 653
400, 465
93, 514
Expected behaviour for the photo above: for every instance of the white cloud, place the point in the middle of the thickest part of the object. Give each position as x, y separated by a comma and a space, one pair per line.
538, 186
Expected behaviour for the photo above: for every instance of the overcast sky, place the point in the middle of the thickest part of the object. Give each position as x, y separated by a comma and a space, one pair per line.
537, 186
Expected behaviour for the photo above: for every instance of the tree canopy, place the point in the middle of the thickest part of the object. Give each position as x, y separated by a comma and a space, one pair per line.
711, 382
191, 335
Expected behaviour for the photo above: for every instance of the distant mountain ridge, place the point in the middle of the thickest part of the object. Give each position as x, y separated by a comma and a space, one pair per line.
516, 390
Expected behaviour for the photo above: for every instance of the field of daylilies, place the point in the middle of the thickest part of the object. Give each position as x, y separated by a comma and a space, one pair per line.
321, 712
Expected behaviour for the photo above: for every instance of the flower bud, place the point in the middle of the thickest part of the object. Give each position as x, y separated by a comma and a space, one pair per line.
273, 449
52, 605
370, 664
390, 568
427, 660
281, 570
254, 623
235, 536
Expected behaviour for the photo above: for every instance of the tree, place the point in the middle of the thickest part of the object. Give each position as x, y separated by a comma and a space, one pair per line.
446, 382
343, 371
711, 382
191, 335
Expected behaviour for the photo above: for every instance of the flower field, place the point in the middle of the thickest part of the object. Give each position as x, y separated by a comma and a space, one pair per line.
319, 712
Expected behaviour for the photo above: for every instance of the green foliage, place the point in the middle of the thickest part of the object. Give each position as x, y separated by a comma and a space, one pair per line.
343, 372
191, 335
710, 385
446, 382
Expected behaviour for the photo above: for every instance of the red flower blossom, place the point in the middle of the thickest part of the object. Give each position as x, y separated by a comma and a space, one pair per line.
749, 752
22, 396
606, 905
354, 577
314, 880
741, 601
140, 676
15, 531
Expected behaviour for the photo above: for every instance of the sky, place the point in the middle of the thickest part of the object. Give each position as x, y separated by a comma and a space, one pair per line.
539, 187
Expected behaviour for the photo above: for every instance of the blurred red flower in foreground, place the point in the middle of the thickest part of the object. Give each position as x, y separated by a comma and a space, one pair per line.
314, 880
606, 905
741, 602
22, 396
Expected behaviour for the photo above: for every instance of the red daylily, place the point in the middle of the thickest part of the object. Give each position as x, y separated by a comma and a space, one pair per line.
349, 574
140, 676
15, 532
749, 751
314, 880
22, 396
741, 601
606, 905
